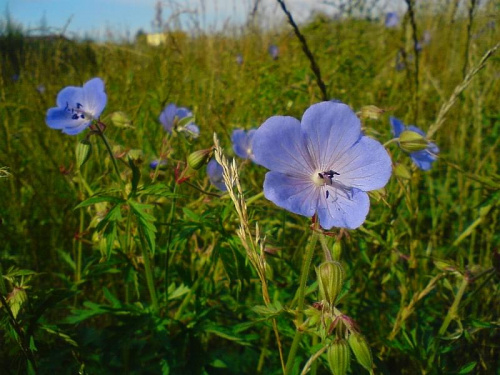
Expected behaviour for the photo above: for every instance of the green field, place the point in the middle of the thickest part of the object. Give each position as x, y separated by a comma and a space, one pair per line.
149, 275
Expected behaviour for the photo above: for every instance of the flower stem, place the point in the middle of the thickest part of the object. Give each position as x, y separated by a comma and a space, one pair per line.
300, 305
454, 307
113, 159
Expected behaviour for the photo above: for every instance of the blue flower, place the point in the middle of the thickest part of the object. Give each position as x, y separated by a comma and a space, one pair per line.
273, 51
242, 143
214, 172
172, 114
322, 165
239, 59
77, 107
191, 129
161, 162
391, 19
423, 159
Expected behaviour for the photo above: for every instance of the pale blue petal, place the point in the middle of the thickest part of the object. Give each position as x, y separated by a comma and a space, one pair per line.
214, 172
94, 97
280, 145
332, 128
59, 118
193, 130
292, 193
343, 210
182, 112
167, 117
239, 140
397, 126
423, 159
69, 96
366, 165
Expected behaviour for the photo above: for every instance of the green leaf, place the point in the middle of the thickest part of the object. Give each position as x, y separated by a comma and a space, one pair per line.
145, 221
467, 368
99, 199
136, 176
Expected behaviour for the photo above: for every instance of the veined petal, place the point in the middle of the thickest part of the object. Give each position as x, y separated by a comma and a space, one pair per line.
59, 118
95, 98
280, 145
423, 159
397, 126
167, 117
239, 141
341, 209
366, 165
292, 193
331, 128
214, 172
69, 96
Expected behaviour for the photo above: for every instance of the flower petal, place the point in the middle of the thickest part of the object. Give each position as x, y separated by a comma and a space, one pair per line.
292, 193
214, 172
69, 96
95, 98
343, 210
366, 165
423, 159
332, 128
397, 126
280, 145
59, 118
167, 117
239, 141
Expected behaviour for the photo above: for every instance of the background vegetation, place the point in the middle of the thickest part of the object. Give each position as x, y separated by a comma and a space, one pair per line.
421, 279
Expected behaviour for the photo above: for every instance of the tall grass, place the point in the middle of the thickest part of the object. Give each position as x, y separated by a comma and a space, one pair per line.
421, 273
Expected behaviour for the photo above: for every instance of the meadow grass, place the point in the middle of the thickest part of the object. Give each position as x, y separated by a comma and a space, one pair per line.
421, 280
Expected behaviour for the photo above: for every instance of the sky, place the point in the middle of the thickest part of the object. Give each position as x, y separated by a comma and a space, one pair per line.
125, 17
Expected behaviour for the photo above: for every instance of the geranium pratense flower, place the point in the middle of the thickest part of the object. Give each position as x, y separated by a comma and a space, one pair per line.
214, 172
273, 51
322, 165
171, 116
391, 19
77, 107
242, 143
423, 159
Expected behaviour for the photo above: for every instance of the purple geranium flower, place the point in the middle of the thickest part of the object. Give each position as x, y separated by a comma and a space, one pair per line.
242, 143
423, 159
322, 165
172, 114
214, 172
273, 51
391, 19
77, 107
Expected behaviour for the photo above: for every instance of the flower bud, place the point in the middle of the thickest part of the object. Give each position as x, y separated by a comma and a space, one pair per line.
401, 171
361, 350
199, 158
339, 357
337, 250
83, 151
411, 141
330, 279
121, 120
371, 112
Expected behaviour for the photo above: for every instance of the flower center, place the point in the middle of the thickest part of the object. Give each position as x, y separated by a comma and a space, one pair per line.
324, 178
78, 112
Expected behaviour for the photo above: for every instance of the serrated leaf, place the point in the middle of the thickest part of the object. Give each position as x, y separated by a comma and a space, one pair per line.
99, 199
145, 221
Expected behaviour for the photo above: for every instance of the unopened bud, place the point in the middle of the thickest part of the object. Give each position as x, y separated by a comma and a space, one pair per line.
402, 172
361, 350
371, 112
83, 151
411, 141
199, 158
330, 280
337, 250
121, 120
339, 357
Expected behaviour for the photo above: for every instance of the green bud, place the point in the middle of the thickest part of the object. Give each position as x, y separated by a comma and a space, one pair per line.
339, 357
83, 151
136, 154
361, 350
411, 141
199, 158
402, 172
121, 120
330, 279
337, 250
371, 112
